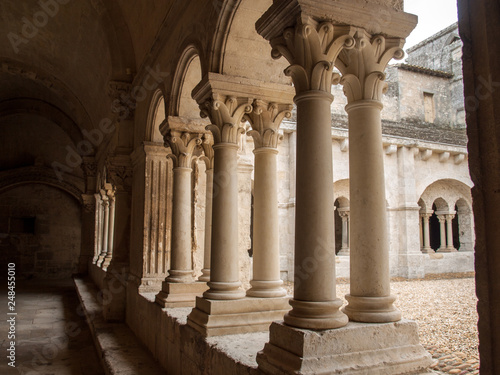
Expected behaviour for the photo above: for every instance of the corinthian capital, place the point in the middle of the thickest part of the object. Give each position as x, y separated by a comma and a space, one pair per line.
183, 145
311, 48
207, 144
363, 66
265, 120
226, 114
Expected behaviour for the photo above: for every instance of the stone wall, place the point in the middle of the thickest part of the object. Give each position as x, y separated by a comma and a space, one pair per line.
40, 231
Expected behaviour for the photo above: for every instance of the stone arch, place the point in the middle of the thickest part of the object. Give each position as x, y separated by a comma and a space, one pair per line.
35, 106
71, 185
235, 28
156, 116
188, 74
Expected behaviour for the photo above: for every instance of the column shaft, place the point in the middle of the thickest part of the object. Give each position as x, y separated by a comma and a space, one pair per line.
205, 272
111, 232
442, 233
314, 302
344, 233
180, 259
266, 280
224, 272
425, 228
449, 233
105, 232
370, 299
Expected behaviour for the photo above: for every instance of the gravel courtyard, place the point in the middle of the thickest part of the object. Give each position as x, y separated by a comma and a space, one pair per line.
445, 310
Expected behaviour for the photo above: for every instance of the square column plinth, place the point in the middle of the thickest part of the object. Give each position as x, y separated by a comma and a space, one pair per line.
180, 294
358, 348
226, 317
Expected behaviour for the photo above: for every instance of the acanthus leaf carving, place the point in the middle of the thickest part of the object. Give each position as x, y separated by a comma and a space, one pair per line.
363, 66
311, 49
183, 145
265, 120
226, 114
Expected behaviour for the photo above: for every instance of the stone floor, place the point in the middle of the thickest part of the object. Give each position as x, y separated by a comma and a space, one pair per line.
52, 337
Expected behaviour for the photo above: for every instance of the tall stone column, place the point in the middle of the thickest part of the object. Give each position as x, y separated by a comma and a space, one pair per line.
362, 68
98, 227
426, 249
105, 227
265, 120
209, 162
442, 233
344, 215
179, 288
312, 46
111, 229
224, 308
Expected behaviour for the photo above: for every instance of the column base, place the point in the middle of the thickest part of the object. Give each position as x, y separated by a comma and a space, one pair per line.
180, 294
344, 252
227, 317
205, 275
446, 250
150, 284
427, 250
100, 260
105, 263
357, 348
371, 309
316, 315
266, 289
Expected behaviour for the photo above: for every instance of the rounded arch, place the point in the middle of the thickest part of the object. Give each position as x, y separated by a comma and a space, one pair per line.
188, 74
441, 205
44, 109
341, 189
156, 115
450, 190
426, 181
72, 185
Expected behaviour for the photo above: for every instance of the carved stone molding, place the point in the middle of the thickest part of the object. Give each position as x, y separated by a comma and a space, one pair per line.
363, 66
123, 103
119, 172
311, 48
265, 120
207, 144
183, 146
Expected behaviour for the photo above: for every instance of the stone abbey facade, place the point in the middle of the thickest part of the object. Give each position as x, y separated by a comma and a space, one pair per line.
155, 146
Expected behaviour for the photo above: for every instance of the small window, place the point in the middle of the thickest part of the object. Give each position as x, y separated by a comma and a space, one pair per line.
429, 111
22, 225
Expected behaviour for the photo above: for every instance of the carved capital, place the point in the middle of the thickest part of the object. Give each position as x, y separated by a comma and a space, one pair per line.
88, 203
183, 145
441, 218
226, 114
207, 144
311, 48
363, 66
344, 213
89, 167
265, 120
120, 174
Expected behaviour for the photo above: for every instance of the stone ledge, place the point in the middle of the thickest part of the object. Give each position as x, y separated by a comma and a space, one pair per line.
119, 349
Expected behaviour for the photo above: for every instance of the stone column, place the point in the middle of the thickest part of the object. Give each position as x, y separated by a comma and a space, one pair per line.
209, 162
223, 308
344, 215
311, 48
362, 69
105, 228
426, 249
442, 233
111, 229
265, 120
98, 230
449, 233
179, 288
